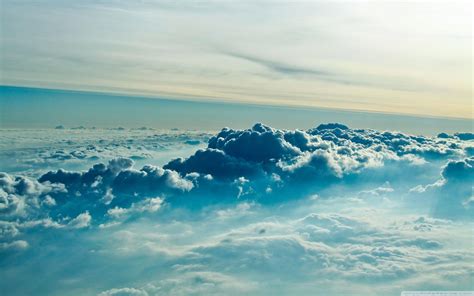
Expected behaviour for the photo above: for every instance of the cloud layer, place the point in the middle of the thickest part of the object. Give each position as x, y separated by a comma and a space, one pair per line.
259, 164
260, 209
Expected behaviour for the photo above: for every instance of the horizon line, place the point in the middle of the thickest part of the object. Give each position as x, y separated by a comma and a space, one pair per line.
121, 92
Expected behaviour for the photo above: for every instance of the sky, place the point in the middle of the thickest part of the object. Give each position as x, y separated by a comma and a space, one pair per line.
236, 148
408, 57
35, 108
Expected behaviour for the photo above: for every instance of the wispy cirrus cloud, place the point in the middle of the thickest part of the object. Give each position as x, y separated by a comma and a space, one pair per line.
327, 53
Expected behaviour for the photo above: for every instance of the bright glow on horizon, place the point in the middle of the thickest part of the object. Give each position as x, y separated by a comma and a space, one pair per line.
397, 57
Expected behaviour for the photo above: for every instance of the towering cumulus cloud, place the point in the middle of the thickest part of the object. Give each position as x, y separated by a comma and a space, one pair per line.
268, 200
260, 164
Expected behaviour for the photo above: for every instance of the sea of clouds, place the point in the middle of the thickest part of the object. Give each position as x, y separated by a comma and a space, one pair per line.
260, 211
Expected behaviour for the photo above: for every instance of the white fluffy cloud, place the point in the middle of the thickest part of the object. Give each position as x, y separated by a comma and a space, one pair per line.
81, 221
257, 211
453, 191
259, 164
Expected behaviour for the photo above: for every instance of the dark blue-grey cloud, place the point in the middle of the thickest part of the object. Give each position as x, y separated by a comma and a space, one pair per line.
292, 70
465, 136
280, 67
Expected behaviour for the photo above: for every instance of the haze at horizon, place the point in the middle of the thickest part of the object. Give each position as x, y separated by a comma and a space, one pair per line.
34, 108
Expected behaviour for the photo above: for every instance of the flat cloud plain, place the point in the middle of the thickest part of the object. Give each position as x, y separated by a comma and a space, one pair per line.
259, 211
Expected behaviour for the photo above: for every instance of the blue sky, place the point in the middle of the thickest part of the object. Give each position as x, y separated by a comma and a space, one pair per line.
388, 56
43, 108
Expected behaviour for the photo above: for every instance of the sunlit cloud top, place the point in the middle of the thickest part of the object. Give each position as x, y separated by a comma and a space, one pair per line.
397, 57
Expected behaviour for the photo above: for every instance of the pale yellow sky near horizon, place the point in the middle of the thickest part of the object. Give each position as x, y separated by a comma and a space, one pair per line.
395, 57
